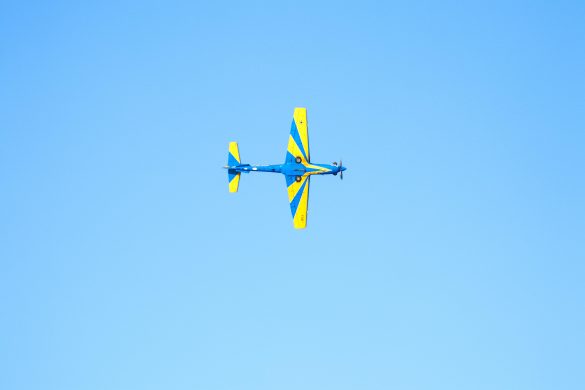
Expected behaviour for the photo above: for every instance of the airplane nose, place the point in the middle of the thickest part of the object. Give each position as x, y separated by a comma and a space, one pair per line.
343, 168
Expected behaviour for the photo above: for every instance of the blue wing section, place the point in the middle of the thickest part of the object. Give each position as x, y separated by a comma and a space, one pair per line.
298, 141
298, 197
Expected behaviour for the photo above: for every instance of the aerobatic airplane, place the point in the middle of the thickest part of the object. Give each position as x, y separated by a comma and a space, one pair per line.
297, 168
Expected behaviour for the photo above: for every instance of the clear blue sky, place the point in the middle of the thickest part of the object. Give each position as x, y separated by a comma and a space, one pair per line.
450, 257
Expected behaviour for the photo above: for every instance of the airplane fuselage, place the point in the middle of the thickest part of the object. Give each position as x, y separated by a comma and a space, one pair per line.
293, 169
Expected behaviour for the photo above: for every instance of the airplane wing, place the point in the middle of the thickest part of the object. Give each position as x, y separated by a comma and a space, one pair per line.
298, 141
298, 197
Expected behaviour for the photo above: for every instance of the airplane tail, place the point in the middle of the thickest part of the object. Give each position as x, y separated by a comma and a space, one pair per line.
233, 160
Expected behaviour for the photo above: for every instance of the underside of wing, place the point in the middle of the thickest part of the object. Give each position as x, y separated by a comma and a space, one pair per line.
298, 141
298, 197
233, 180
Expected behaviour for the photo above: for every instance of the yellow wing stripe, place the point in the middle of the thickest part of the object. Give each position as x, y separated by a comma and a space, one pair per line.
300, 219
298, 141
234, 151
294, 188
300, 117
294, 149
300, 215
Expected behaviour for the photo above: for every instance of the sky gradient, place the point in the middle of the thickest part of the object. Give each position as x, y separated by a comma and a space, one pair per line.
451, 256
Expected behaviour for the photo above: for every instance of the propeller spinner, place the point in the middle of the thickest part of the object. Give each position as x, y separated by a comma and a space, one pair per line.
340, 166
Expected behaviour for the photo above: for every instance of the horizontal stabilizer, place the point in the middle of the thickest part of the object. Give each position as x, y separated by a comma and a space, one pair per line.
234, 154
233, 180
233, 161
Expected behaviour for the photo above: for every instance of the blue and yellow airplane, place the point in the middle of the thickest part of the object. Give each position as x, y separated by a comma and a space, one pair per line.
297, 168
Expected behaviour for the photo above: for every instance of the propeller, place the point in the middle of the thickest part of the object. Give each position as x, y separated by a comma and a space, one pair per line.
340, 169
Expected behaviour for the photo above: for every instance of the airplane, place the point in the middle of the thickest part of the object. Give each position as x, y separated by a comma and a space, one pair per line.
297, 168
